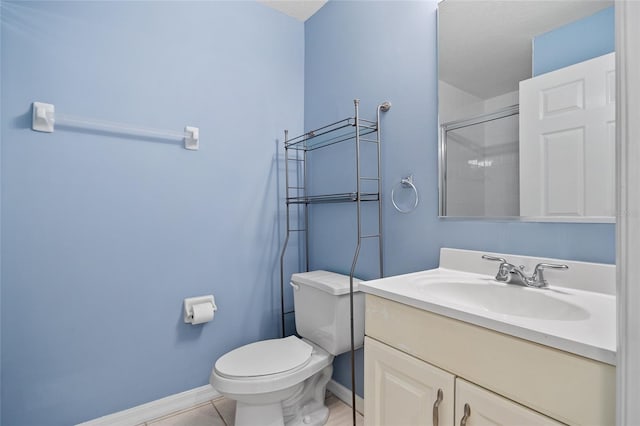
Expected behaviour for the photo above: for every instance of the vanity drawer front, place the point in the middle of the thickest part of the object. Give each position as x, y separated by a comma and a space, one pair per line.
564, 386
486, 408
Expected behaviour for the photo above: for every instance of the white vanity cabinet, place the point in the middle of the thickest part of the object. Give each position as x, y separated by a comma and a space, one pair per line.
403, 390
410, 353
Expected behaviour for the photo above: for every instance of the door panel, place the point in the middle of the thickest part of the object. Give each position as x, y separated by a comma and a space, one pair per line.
567, 153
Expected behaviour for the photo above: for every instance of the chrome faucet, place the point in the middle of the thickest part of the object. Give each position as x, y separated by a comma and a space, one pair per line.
512, 274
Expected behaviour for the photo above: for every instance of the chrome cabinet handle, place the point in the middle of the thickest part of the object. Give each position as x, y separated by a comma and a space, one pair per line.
467, 414
436, 404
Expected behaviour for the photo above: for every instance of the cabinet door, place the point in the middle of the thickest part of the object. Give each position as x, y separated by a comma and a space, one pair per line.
488, 408
401, 390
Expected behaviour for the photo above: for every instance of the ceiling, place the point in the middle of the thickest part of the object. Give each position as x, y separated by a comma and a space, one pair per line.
495, 36
299, 9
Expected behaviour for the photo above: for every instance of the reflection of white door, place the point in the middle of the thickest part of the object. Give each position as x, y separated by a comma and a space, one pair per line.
567, 141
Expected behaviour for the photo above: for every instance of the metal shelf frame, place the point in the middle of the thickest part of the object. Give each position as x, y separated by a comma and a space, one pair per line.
347, 130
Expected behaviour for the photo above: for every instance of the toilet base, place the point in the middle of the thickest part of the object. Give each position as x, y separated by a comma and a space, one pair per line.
251, 414
307, 408
304, 407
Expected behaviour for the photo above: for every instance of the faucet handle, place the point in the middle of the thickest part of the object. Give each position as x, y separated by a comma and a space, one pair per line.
504, 268
541, 266
538, 276
495, 259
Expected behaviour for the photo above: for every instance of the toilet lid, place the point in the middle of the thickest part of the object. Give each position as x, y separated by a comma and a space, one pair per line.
264, 358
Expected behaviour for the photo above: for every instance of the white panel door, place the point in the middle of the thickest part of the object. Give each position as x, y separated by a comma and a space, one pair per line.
567, 141
401, 390
476, 406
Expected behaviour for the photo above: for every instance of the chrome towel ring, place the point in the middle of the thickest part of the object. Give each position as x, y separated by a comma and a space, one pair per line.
405, 182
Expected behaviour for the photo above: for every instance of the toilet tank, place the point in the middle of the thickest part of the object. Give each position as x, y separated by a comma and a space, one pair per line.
321, 301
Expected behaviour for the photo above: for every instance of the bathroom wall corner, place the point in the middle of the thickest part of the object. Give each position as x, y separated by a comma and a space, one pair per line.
376, 52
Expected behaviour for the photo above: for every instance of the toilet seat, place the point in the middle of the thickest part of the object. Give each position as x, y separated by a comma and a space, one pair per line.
264, 358
236, 386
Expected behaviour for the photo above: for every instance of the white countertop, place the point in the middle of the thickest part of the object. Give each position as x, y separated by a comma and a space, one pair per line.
590, 332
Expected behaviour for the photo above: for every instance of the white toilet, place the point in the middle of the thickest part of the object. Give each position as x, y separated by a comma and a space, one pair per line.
281, 382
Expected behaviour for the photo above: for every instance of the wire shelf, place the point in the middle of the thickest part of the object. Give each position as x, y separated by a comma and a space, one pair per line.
344, 197
337, 132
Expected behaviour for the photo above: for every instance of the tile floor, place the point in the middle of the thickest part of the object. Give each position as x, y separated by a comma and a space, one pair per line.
221, 412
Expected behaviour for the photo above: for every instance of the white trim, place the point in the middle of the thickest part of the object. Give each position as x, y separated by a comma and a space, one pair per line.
191, 398
628, 211
158, 408
344, 394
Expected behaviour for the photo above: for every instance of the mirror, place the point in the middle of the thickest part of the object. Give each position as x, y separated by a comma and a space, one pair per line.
526, 105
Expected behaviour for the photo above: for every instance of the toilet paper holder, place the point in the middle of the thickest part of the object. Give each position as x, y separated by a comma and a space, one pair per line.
190, 302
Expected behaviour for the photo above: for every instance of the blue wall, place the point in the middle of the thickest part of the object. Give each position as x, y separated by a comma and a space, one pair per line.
386, 50
578, 41
105, 234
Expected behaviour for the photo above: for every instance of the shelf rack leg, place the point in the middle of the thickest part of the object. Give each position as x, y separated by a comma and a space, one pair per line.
286, 240
356, 103
306, 209
384, 107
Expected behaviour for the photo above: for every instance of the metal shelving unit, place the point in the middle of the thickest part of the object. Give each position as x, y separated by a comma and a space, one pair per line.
350, 130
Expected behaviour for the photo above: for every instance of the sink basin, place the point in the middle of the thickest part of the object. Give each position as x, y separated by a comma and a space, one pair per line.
505, 299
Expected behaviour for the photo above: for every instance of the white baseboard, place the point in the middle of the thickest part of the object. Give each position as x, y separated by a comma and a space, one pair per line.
344, 394
158, 408
187, 399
